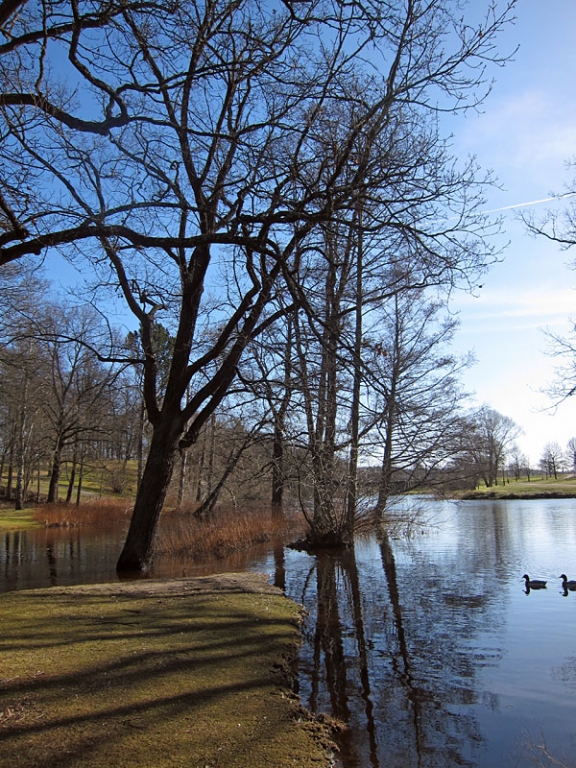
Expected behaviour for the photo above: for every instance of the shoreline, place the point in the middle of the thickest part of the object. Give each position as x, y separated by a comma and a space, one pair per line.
511, 495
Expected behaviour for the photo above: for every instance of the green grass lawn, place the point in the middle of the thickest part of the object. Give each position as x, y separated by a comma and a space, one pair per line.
12, 520
189, 673
98, 482
563, 486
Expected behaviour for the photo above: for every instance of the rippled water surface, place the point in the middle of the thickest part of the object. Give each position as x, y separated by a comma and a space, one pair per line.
427, 647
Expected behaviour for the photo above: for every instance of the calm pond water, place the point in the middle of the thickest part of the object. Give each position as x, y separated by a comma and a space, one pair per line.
428, 647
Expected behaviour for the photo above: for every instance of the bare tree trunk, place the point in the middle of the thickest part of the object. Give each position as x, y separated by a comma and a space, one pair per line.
72, 480
321, 411
390, 414
325, 525
55, 473
277, 467
279, 415
352, 500
19, 497
10, 478
80, 479
211, 453
140, 443
182, 477
138, 547
384, 486
200, 468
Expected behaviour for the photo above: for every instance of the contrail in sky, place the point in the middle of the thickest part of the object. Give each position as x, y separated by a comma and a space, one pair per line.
532, 202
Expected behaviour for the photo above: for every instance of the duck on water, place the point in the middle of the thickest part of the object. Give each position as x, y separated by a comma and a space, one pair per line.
533, 583
566, 584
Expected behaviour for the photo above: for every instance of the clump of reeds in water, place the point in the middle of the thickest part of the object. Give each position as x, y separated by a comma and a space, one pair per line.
96, 512
223, 531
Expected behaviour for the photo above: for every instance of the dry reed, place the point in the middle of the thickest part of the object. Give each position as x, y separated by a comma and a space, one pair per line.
181, 531
97, 512
224, 531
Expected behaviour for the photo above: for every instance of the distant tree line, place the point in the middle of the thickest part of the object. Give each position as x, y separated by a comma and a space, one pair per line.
64, 408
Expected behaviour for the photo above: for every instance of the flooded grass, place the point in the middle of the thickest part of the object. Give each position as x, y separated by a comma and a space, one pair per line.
180, 531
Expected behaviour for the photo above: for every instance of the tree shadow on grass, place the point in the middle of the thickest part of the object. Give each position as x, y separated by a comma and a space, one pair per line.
177, 679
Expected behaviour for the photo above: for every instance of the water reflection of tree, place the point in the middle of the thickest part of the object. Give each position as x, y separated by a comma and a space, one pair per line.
339, 668
10, 558
57, 556
402, 661
328, 640
395, 658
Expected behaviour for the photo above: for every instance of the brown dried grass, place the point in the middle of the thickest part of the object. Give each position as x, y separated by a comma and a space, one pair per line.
226, 530
181, 531
97, 512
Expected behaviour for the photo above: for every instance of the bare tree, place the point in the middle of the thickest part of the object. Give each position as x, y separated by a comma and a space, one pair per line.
560, 228
268, 373
417, 393
552, 459
77, 388
21, 360
213, 138
491, 435
519, 463
21, 395
571, 454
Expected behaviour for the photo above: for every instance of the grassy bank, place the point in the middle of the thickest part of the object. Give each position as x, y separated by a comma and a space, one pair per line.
537, 488
12, 520
152, 674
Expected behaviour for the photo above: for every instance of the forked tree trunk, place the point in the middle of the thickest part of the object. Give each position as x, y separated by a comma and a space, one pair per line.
138, 548
328, 527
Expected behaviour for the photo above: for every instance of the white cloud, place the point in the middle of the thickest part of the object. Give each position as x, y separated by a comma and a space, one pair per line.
533, 308
526, 138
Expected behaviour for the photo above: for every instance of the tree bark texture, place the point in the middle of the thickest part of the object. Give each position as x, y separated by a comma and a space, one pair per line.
139, 545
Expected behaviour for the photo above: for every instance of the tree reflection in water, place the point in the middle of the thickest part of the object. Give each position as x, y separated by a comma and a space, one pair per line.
399, 679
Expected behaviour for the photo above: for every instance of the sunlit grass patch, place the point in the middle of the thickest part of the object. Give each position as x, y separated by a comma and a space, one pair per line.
537, 487
151, 674
16, 520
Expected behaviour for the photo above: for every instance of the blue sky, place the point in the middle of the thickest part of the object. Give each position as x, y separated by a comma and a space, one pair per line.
526, 134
